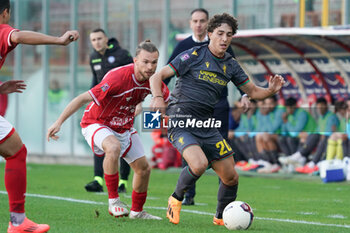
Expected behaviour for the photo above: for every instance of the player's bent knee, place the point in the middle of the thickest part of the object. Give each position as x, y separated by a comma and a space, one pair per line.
232, 180
141, 167
113, 151
198, 169
146, 171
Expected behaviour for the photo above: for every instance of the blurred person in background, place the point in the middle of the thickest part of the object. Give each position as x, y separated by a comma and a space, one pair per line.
107, 55
261, 158
11, 145
199, 24
268, 140
327, 123
296, 121
243, 137
337, 144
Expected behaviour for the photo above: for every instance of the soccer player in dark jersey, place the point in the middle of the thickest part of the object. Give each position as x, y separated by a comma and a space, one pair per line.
107, 126
202, 74
199, 23
107, 54
11, 145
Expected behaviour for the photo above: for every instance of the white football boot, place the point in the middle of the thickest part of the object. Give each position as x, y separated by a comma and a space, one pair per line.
117, 208
143, 215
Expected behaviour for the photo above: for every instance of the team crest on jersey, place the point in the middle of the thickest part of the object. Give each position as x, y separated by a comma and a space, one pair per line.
224, 69
194, 53
184, 57
207, 64
111, 59
128, 98
181, 140
105, 87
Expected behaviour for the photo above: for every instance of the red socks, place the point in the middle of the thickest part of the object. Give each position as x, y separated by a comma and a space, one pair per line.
16, 179
112, 182
138, 200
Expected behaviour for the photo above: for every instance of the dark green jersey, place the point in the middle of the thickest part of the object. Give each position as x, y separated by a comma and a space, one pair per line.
201, 79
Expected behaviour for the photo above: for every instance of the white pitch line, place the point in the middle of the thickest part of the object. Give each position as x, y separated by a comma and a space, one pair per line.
183, 210
60, 198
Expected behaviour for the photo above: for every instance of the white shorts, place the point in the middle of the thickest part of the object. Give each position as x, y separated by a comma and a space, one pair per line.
6, 129
131, 146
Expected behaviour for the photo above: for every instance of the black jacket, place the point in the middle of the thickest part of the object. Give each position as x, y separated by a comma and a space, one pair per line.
114, 56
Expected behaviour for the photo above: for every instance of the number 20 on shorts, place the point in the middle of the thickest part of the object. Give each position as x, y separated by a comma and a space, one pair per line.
223, 146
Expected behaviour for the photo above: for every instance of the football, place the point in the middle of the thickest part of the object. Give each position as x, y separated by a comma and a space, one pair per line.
238, 215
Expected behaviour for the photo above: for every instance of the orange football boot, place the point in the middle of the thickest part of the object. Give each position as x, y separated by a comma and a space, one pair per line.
28, 226
218, 221
174, 208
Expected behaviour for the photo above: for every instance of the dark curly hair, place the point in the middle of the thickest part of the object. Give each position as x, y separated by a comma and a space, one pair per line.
4, 4
217, 20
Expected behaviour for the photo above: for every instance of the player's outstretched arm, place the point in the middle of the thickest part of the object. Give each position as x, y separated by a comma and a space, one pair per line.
275, 84
12, 86
36, 38
71, 108
156, 87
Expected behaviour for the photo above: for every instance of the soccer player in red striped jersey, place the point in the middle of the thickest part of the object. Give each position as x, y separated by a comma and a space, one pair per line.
107, 126
11, 146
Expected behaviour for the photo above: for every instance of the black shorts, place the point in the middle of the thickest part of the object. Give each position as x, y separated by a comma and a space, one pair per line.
214, 146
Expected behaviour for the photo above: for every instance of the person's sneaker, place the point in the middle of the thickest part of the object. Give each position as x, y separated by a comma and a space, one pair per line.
240, 165
296, 159
174, 208
94, 186
118, 209
188, 201
270, 169
306, 169
218, 221
249, 167
28, 226
122, 188
143, 215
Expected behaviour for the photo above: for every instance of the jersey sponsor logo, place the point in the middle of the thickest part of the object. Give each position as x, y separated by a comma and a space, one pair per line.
207, 64
151, 120
111, 59
211, 77
105, 87
195, 53
96, 60
97, 67
184, 57
116, 121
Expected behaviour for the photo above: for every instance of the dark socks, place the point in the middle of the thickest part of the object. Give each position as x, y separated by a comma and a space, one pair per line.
186, 180
124, 169
98, 165
226, 194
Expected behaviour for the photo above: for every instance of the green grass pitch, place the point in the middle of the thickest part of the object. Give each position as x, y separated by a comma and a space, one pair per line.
56, 196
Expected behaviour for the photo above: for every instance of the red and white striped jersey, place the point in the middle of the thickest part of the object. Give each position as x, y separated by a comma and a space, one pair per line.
115, 99
5, 42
